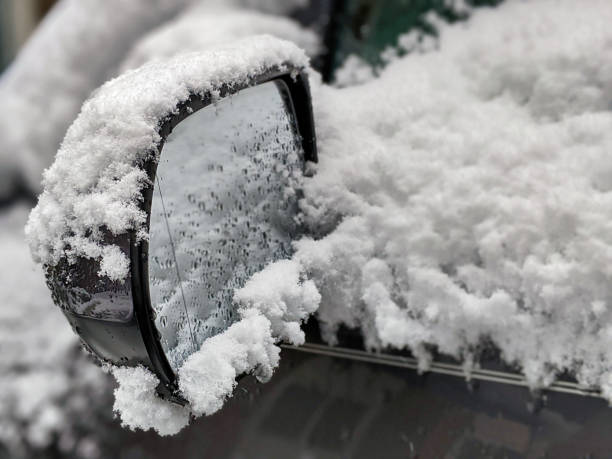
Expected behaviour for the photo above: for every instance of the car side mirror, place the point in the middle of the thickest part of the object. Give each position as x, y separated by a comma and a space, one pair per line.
217, 199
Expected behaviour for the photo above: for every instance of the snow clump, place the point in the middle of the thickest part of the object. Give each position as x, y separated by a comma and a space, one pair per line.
465, 194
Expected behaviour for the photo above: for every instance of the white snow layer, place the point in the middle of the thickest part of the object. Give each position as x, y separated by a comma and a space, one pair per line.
139, 406
461, 198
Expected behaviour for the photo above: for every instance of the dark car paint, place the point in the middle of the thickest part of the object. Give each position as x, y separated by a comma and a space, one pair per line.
324, 407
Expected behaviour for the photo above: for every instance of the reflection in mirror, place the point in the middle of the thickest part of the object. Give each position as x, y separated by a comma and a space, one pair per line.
224, 205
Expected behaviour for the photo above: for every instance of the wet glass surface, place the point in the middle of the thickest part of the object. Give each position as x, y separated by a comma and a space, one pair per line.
224, 206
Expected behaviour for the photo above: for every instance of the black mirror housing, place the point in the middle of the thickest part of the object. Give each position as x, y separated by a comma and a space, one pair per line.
124, 334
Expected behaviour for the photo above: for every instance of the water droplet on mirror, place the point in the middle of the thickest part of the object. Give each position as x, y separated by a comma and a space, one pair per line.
217, 200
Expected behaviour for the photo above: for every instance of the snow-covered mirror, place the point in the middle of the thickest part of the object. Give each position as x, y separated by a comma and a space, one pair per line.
224, 205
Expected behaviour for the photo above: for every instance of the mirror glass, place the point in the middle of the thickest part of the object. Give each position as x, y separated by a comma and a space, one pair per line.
224, 205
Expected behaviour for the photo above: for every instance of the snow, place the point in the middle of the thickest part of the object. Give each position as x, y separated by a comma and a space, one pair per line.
139, 406
353, 71
283, 294
208, 376
272, 305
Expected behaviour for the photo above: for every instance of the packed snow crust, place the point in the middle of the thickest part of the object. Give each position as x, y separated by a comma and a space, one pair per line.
95, 180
